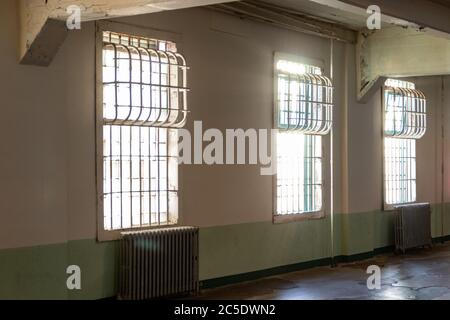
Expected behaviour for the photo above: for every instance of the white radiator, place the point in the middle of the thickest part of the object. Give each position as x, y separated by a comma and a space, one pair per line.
158, 263
412, 226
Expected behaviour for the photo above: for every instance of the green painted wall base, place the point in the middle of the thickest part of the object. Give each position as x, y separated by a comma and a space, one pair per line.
40, 272
218, 282
223, 281
227, 254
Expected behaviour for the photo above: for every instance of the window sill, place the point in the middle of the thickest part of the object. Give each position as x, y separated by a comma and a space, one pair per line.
288, 218
392, 207
113, 235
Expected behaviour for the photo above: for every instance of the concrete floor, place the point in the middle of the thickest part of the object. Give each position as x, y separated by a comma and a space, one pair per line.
421, 274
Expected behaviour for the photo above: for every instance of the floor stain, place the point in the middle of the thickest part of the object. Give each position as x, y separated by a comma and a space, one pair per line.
420, 274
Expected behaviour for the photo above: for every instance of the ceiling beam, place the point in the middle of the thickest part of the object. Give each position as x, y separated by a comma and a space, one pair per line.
425, 13
398, 52
43, 22
287, 18
420, 47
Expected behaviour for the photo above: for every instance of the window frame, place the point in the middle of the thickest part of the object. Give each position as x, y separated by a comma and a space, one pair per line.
387, 206
100, 27
305, 216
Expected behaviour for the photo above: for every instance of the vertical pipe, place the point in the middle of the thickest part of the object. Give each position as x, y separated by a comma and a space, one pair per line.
331, 163
344, 150
443, 156
344, 133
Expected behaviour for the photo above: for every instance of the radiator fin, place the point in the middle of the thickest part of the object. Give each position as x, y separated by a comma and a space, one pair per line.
412, 226
158, 263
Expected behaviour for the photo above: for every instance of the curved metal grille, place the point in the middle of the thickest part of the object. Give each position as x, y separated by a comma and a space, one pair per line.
404, 123
304, 103
144, 82
144, 102
405, 113
303, 114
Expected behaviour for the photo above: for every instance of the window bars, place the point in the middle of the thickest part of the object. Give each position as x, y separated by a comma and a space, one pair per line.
144, 102
404, 123
144, 82
303, 116
400, 170
299, 174
305, 99
405, 112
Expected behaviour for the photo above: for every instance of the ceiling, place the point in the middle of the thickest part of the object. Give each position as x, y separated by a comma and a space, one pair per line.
445, 3
354, 20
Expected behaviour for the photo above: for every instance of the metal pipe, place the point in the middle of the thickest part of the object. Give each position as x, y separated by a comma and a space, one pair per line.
333, 264
344, 134
443, 156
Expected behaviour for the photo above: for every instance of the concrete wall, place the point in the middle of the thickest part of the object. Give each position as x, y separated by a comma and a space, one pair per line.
47, 171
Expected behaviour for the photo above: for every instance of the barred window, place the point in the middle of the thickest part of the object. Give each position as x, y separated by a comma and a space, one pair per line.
303, 116
405, 111
304, 98
299, 174
404, 123
400, 170
144, 102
